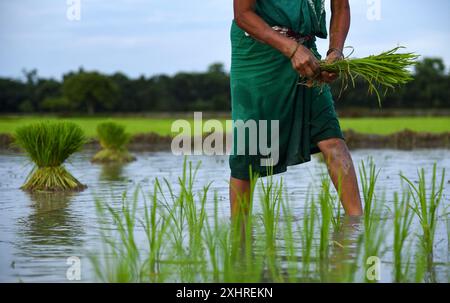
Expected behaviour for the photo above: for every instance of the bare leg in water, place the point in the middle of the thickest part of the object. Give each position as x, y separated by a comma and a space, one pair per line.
342, 173
341, 170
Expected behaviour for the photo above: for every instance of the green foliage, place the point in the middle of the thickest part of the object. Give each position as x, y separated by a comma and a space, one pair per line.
48, 145
426, 203
208, 90
402, 225
56, 104
90, 91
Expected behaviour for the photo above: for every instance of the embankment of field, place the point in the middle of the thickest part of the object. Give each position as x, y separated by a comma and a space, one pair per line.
405, 140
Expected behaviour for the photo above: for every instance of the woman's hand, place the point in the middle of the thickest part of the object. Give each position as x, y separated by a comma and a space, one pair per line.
305, 63
327, 77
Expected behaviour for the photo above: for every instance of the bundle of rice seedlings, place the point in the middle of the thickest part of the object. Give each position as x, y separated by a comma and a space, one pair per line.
48, 145
113, 141
385, 71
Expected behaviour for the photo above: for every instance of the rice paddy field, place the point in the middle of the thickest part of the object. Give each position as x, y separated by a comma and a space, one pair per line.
70, 212
162, 126
164, 218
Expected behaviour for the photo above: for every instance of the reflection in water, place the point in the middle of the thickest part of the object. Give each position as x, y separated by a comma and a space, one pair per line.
112, 172
344, 249
50, 226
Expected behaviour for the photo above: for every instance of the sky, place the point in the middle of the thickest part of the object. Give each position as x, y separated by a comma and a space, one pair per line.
148, 37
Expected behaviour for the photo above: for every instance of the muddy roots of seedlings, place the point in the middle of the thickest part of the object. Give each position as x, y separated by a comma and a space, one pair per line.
52, 179
113, 156
48, 145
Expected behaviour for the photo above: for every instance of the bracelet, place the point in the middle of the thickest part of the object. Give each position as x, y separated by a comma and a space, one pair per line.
295, 50
332, 49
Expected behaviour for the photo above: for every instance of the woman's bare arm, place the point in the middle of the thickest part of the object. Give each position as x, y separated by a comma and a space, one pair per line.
339, 27
302, 59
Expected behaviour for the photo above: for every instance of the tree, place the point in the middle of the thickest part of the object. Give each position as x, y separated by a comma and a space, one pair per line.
90, 91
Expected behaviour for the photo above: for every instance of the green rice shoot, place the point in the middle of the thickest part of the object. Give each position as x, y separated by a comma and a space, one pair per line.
48, 145
382, 72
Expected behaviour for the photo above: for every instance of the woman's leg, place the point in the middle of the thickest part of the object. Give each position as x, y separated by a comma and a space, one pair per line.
342, 173
239, 196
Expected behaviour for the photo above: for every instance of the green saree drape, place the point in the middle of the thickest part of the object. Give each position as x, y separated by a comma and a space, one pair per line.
264, 86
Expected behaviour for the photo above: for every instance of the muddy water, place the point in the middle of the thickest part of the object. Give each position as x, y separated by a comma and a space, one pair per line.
39, 232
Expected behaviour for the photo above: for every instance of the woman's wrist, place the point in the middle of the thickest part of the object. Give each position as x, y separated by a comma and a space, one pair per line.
294, 51
337, 51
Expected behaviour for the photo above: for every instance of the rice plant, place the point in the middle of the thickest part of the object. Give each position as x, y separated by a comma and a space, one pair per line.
271, 201
307, 235
402, 228
113, 140
48, 145
178, 235
375, 228
425, 206
385, 71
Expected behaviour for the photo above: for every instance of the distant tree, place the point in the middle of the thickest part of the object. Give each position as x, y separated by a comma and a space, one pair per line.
90, 91
57, 105
216, 68
12, 94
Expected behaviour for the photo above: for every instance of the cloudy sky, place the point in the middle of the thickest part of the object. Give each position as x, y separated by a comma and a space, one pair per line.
166, 36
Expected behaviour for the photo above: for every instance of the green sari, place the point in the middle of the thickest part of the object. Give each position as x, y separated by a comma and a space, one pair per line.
264, 86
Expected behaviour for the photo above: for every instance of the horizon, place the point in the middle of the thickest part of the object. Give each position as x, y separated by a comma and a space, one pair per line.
147, 38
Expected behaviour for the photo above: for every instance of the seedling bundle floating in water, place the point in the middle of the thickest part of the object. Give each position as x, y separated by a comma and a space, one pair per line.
381, 72
48, 145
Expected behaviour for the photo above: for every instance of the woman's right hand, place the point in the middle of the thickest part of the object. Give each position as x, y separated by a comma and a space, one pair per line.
305, 63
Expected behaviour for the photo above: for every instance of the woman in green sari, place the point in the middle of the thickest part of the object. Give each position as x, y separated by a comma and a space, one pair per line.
273, 50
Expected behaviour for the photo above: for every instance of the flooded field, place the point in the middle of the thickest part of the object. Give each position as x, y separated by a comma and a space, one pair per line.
39, 232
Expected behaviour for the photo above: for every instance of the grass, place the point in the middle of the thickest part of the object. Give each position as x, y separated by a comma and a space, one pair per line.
162, 126
186, 240
113, 140
48, 145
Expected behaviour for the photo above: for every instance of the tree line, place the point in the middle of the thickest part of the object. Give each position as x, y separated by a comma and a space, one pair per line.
84, 92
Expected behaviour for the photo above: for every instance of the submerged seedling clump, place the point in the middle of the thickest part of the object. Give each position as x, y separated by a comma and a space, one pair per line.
113, 140
48, 145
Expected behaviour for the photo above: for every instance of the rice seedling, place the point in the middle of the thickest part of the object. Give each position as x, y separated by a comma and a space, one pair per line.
154, 225
374, 227
307, 235
289, 242
271, 200
402, 225
48, 145
425, 206
113, 140
374, 235
385, 71
368, 181
182, 237
325, 224
121, 260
